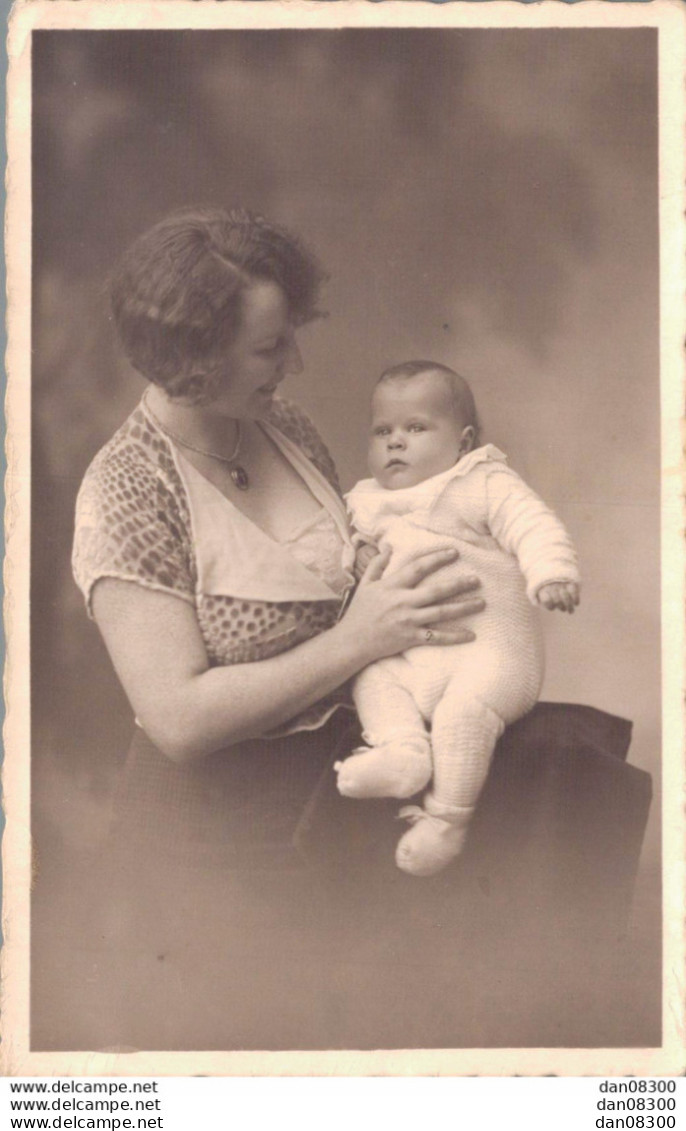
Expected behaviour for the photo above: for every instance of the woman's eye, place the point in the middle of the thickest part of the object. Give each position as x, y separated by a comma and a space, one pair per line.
268, 351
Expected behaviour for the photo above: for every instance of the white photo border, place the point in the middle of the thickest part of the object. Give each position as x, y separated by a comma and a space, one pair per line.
670, 20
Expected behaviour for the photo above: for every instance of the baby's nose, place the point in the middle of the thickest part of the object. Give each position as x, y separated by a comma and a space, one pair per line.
396, 442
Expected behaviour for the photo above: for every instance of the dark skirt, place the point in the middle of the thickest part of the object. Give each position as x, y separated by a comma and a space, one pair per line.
248, 906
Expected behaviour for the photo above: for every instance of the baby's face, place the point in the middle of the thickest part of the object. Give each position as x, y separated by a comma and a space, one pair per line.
415, 431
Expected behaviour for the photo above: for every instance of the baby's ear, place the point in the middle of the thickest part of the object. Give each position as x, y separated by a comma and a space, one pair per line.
467, 439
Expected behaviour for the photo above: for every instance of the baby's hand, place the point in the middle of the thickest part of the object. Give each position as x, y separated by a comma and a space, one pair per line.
559, 595
363, 556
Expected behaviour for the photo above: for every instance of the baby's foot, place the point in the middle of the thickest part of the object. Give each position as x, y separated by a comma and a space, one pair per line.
430, 844
396, 769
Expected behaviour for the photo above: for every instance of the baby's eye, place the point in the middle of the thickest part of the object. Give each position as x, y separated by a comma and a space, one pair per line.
416, 428
380, 431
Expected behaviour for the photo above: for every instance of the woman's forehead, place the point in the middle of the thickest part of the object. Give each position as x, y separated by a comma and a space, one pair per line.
264, 309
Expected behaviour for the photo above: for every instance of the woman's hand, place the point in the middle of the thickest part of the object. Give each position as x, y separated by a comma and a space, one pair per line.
189, 708
364, 555
393, 611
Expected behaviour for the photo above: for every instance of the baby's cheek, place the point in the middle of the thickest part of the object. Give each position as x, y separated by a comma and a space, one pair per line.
374, 462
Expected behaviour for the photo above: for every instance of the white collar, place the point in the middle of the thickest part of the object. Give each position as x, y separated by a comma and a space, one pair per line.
370, 503
433, 486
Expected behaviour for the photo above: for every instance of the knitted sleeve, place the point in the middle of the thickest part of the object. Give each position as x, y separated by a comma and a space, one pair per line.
130, 526
524, 526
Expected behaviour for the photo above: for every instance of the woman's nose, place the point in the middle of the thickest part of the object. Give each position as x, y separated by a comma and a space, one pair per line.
294, 362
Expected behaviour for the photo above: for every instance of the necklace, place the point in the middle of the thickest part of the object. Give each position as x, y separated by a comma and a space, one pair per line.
239, 476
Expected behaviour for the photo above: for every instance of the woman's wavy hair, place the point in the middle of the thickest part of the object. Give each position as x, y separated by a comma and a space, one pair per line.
177, 292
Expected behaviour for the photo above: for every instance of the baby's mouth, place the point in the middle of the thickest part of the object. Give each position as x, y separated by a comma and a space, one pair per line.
396, 463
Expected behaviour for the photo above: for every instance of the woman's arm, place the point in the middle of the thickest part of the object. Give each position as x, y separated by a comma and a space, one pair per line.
189, 709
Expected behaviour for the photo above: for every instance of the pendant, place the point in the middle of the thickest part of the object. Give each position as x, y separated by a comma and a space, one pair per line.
239, 477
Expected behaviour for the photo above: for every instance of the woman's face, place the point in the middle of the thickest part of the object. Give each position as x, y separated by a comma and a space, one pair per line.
263, 352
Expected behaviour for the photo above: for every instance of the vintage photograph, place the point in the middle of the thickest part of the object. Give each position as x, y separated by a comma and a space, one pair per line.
345, 537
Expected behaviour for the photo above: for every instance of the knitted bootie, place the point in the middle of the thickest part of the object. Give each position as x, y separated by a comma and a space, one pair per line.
433, 841
395, 769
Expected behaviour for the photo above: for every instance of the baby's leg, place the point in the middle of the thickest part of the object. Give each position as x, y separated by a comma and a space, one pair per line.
397, 761
464, 732
463, 737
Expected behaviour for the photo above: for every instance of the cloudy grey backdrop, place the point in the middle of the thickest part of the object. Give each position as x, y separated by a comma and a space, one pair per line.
487, 198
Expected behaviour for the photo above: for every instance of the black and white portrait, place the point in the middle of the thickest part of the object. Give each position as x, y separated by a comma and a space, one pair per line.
315, 770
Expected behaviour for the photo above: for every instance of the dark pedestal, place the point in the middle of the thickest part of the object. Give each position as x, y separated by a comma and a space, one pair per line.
556, 836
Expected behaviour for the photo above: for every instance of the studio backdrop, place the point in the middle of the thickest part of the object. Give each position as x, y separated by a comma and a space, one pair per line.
484, 198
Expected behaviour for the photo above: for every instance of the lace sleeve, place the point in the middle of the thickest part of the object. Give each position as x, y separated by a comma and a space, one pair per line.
130, 526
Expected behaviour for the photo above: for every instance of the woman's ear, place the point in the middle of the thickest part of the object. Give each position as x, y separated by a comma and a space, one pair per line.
467, 439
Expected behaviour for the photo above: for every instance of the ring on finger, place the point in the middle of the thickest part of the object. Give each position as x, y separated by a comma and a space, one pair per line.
428, 636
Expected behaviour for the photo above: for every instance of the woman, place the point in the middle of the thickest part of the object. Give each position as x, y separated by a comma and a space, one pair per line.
243, 903
213, 551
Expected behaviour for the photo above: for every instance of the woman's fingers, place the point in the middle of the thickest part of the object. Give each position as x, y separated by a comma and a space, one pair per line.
451, 610
414, 572
399, 609
445, 590
442, 636
377, 565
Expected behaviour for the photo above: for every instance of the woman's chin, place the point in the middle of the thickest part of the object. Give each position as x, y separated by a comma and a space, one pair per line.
263, 400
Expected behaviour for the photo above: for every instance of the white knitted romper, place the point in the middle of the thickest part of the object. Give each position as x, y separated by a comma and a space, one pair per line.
464, 694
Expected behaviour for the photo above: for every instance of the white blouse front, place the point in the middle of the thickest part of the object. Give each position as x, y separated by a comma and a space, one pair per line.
235, 556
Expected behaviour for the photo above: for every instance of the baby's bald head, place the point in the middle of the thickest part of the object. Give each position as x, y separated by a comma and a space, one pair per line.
461, 396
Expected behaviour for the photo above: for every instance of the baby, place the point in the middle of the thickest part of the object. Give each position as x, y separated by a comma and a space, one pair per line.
434, 714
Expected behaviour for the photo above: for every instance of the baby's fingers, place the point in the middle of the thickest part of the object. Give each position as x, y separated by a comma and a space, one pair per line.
552, 596
547, 597
569, 602
567, 597
559, 596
